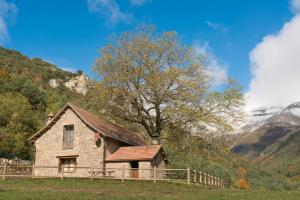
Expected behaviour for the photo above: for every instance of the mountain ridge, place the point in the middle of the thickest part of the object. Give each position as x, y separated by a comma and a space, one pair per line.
272, 141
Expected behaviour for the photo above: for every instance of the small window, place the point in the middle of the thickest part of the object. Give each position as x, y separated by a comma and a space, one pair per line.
134, 164
68, 164
68, 137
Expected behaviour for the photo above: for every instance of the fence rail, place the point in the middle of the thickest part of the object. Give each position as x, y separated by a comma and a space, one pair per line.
154, 174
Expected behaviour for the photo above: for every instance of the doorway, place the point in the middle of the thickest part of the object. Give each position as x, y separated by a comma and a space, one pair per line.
134, 169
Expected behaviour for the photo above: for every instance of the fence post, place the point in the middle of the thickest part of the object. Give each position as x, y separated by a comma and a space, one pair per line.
188, 175
4, 169
62, 172
73, 176
195, 176
200, 178
207, 179
33, 169
154, 174
123, 173
215, 181
92, 173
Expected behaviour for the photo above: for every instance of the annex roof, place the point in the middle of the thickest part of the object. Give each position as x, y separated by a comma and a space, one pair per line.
136, 153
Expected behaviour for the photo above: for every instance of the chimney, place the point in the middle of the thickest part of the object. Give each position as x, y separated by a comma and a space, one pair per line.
155, 140
49, 117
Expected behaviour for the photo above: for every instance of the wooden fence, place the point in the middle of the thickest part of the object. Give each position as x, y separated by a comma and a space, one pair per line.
15, 161
187, 176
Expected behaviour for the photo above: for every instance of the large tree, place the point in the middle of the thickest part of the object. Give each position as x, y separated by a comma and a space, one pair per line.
155, 81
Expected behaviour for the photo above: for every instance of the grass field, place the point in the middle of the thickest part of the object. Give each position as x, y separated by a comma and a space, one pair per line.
109, 189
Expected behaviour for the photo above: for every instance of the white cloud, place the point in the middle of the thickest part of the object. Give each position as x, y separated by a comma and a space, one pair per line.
110, 10
217, 26
138, 2
275, 65
7, 12
216, 69
295, 5
3, 31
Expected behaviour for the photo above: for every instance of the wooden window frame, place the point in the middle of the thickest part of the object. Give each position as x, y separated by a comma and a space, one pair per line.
68, 129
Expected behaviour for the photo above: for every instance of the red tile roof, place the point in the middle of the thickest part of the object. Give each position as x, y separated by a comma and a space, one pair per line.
135, 153
105, 128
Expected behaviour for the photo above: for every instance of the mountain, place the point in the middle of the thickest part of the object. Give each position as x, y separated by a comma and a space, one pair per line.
272, 139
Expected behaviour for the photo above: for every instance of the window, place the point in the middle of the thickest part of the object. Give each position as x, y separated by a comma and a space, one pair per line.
134, 164
68, 164
68, 137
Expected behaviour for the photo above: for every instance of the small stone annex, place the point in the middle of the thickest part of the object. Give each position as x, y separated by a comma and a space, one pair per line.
75, 141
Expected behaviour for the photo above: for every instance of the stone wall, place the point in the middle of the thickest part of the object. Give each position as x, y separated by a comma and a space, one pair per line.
49, 146
117, 168
146, 169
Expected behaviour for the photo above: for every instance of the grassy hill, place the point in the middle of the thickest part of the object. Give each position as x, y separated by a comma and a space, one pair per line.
35, 69
283, 156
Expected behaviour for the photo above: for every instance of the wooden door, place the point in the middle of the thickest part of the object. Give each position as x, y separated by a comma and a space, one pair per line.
134, 169
135, 173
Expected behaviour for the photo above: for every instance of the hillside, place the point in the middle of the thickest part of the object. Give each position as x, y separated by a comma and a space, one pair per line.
273, 141
27, 96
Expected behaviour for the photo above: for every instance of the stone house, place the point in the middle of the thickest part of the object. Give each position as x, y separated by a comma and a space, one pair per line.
75, 142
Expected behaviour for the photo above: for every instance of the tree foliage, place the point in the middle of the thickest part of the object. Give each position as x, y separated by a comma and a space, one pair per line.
18, 121
157, 82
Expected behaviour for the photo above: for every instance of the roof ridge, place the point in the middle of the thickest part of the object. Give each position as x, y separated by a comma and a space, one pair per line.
126, 131
113, 123
105, 127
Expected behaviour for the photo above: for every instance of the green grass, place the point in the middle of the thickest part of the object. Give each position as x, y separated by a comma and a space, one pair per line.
110, 189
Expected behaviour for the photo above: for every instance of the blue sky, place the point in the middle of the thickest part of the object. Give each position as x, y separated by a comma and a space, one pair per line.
69, 33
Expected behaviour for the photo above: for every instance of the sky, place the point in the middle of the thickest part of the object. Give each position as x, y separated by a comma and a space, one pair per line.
256, 42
